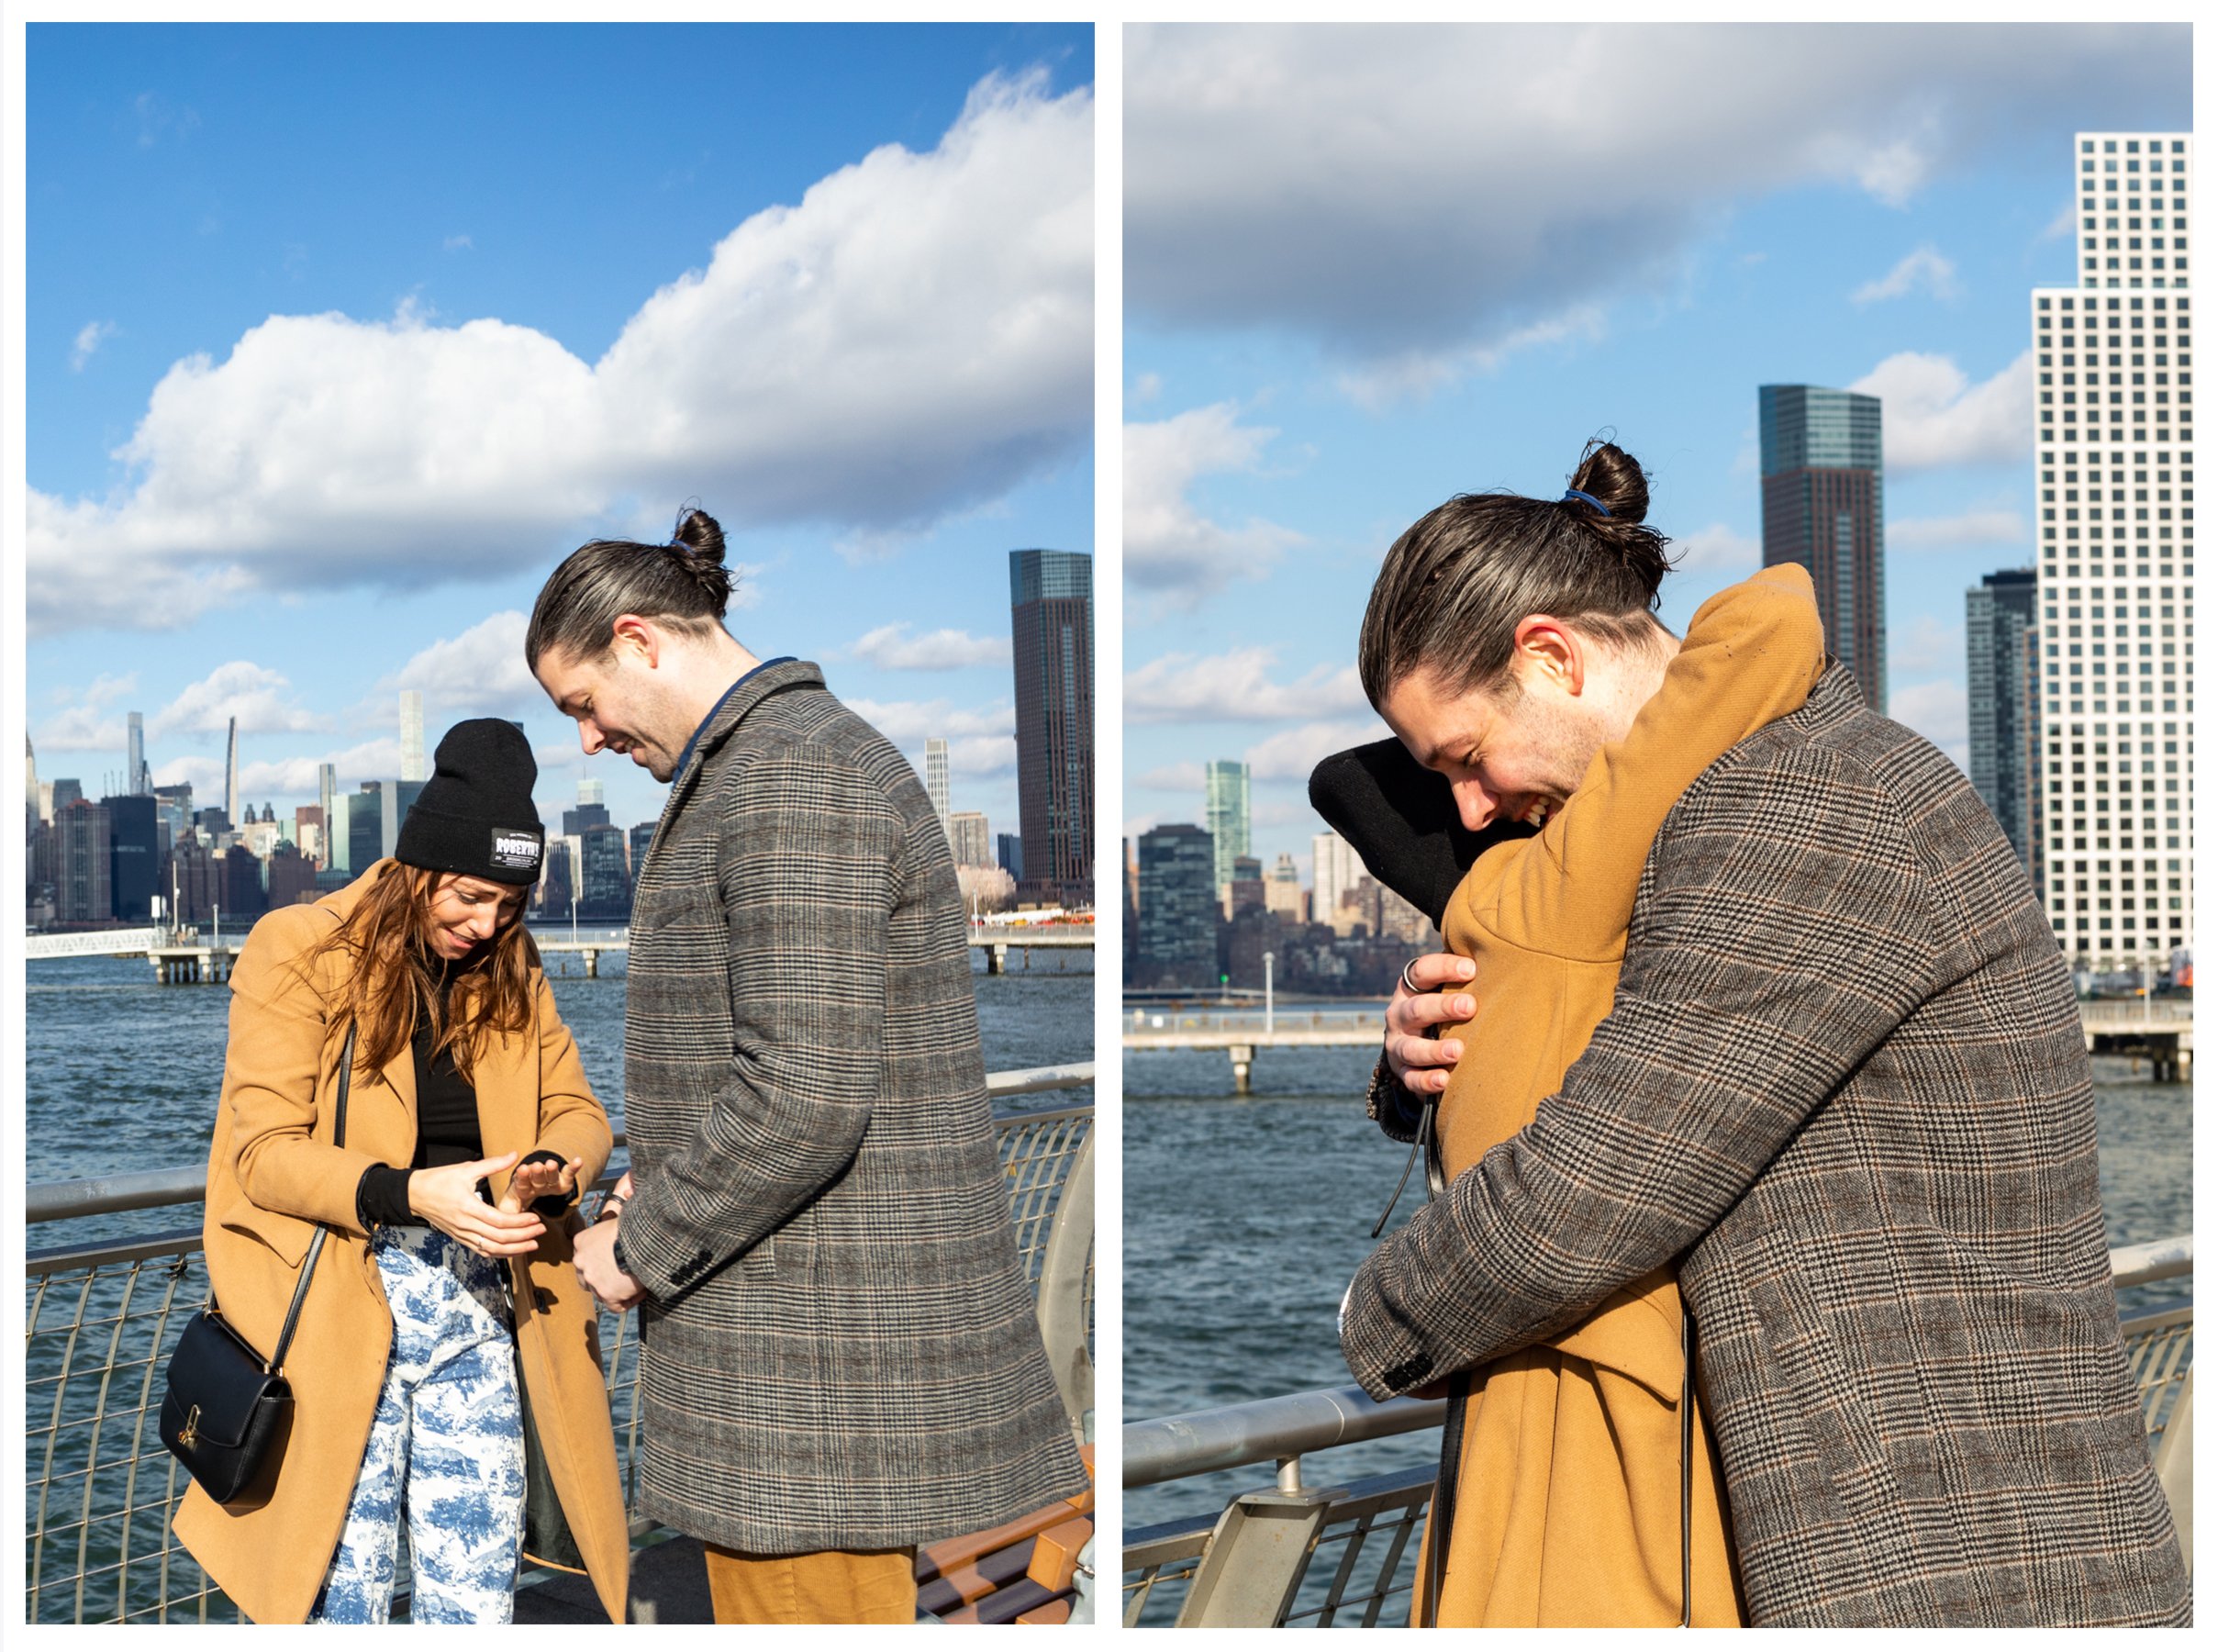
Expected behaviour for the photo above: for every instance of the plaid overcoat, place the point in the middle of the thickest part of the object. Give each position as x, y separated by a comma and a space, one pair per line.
841, 1348
1844, 1081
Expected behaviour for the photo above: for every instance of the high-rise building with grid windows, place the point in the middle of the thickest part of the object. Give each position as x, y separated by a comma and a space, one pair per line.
2114, 456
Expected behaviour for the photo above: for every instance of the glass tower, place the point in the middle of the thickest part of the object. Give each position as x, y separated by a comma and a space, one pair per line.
1824, 509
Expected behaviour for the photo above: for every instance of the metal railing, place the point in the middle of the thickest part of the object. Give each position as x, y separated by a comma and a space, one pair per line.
1301, 1552
103, 1317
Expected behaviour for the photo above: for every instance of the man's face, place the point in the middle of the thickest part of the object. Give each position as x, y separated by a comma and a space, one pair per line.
1512, 751
620, 705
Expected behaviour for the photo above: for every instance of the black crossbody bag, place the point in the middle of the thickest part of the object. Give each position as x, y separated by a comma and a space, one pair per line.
225, 1405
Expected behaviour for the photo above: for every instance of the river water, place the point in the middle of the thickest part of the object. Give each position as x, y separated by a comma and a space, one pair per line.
121, 1075
1244, 1219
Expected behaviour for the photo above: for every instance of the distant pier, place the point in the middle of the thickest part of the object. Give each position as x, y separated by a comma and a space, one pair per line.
183, 957
2160, 1032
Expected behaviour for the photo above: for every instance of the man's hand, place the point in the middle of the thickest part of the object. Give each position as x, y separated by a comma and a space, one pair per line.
1421, 1063
447, 1198
536, 1180
592, 1253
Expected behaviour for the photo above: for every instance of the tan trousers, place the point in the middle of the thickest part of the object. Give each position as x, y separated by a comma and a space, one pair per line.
835, 1586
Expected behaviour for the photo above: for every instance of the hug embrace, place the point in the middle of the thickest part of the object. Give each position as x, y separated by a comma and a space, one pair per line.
1767, 1277
840, 1357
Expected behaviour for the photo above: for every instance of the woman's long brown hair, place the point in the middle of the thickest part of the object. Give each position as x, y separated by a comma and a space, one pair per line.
392, 976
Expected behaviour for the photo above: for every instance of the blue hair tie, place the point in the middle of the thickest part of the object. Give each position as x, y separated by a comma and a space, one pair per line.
1573, 492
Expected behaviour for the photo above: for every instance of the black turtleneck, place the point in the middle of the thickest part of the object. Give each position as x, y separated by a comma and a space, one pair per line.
446, 1132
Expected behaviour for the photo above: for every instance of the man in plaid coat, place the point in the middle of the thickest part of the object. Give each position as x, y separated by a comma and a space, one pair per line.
1845, 1086
840, 1356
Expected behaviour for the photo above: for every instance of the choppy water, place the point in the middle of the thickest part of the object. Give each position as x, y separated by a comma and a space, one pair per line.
121, 1075
1244, 1219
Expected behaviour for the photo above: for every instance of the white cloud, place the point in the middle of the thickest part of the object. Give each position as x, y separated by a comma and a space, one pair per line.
268, 778
1716, 547
79, 729
458, 243
1936, 710
2066, 222
1924, 268
891, 647
1925, 646
1414, 373
1292, 755
1145, 388
910, 722
1966, 528
1416, 190
158, 118
260, 699
1172, 777
1235, 687
90, 338
913, 339
1170, 546
482, 671
1932, 415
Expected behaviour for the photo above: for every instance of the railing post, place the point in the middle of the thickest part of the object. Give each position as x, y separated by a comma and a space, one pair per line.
1070, 1242
1243, 1062
1254, 1563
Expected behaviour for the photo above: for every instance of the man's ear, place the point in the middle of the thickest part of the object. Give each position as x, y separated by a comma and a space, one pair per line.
1546, 649
640, 637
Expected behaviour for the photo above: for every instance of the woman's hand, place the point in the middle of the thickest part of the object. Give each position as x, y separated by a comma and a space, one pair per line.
447, 1198
534, 1181
1422, 1064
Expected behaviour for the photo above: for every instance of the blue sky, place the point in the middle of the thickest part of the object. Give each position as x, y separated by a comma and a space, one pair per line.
340, 337
1375, 267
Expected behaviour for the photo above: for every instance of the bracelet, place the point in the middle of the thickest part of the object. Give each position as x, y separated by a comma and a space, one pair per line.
611, 1206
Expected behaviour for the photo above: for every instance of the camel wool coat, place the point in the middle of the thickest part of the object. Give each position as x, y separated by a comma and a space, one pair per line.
275, 1173
1566, 1509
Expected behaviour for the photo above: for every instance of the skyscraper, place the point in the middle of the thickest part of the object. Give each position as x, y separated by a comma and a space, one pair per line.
968, 838
1823, 507
935, 777
412, 736
2000, 634
231, 776
1178, 913
1052, 625
1333, 869
2115, 452
327, 790
137, 781
1224, 813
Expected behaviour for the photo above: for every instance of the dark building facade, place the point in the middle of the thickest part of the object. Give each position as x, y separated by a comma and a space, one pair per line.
83, 868
2002, 642
605, 891
1051, 626
134, 856
1177, 921
1824, 508
291, 874
642, 840
244, 895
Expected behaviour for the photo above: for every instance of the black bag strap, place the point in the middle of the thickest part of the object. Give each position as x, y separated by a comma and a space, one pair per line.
307, 1267
1685, 1464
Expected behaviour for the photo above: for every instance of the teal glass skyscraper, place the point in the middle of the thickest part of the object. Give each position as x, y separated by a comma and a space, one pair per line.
1824, 509
1225, 814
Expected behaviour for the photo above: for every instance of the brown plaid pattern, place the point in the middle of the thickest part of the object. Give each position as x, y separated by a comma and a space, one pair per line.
1845, 1086
842, 1351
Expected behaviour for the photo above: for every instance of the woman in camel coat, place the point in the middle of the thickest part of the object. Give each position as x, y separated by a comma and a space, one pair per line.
407, 1240
1566, 1506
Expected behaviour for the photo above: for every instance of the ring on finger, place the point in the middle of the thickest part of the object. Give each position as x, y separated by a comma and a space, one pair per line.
1408, 985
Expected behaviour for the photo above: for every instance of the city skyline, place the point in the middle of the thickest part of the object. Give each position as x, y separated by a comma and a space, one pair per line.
1302, 384
414, 566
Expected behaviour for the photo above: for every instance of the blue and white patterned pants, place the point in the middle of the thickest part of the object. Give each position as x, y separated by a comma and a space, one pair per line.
446, 1449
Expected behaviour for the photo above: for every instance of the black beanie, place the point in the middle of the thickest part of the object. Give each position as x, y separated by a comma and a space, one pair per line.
474, 815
